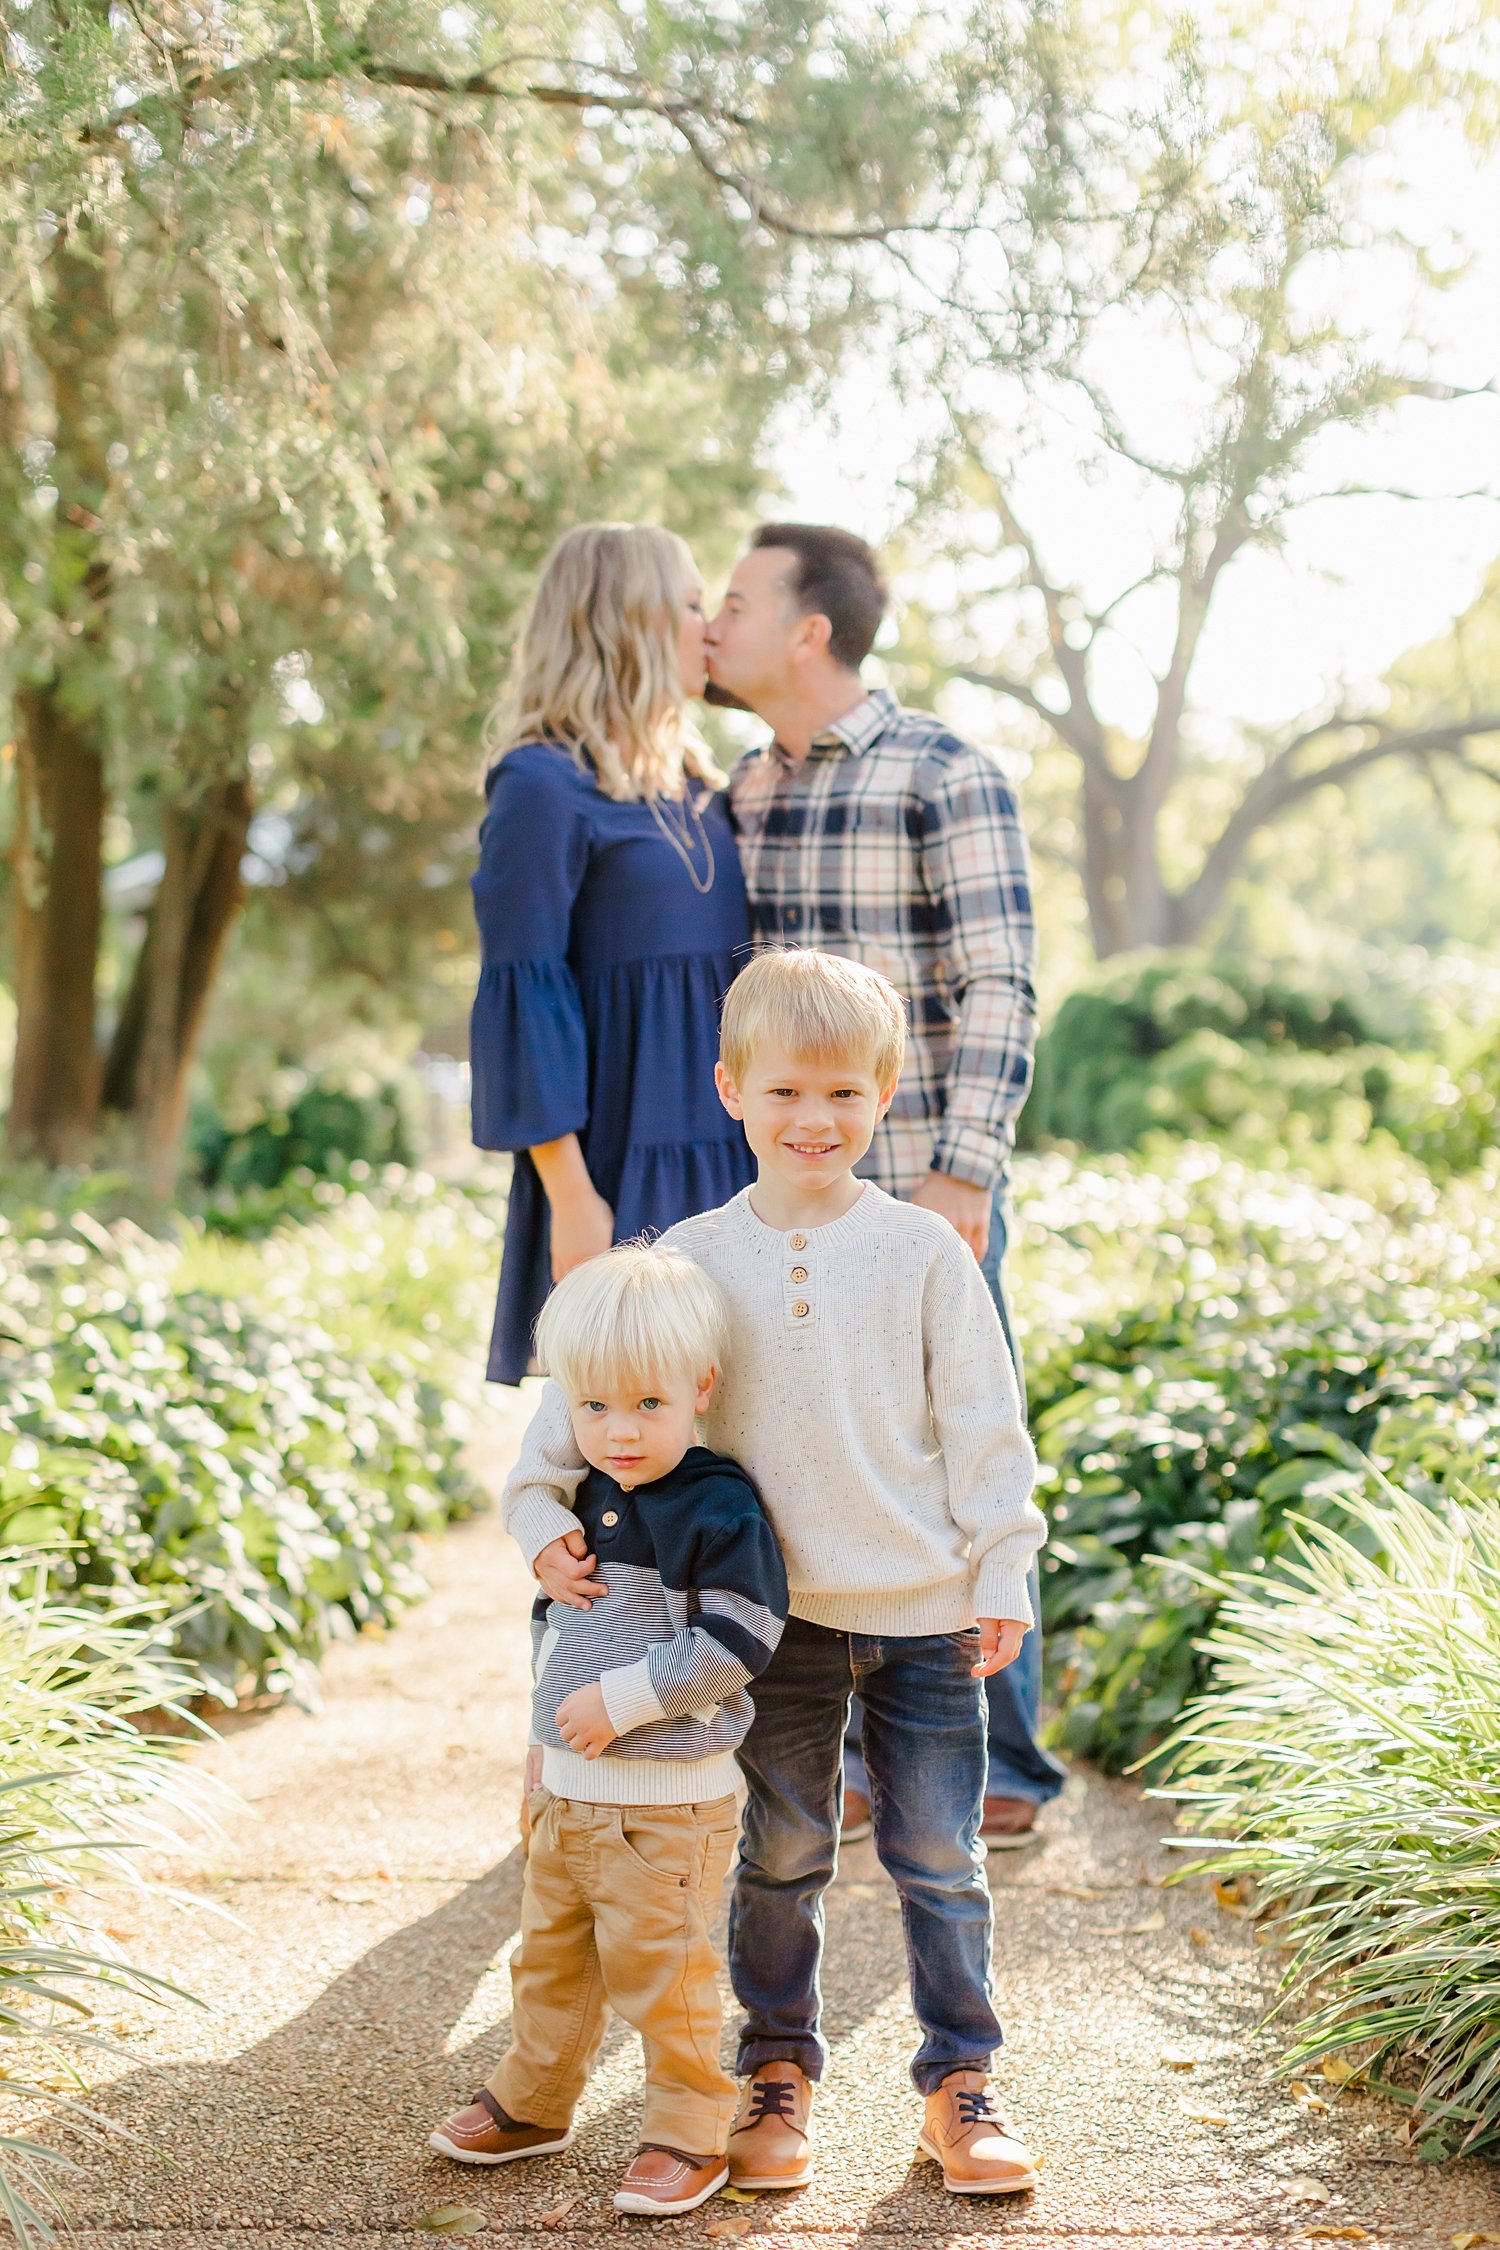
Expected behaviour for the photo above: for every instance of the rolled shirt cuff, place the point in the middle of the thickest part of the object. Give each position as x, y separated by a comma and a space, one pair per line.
629, 1697
534, 1519
965, 1152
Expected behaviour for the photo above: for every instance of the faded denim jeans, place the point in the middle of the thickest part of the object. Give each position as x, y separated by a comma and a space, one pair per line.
1019, 1766
924, 1747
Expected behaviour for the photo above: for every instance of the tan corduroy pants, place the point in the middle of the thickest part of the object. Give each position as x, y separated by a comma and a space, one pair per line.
615, 1914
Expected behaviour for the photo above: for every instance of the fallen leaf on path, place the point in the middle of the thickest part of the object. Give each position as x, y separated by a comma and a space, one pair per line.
1304, 2097
352, 1898
1339, 2071
1205, 2116
730, 2229
1335, 2234
1232, 1892
736, 2195
1199, 1937
1302, 2189
1156, 1921
1471, 2241
1178, 2058
563, 2210
451, 2218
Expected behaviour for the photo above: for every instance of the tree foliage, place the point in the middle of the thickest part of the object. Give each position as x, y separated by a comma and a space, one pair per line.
1227, 322
324, 321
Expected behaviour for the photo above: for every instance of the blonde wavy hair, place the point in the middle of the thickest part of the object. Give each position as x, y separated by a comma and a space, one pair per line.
597, 669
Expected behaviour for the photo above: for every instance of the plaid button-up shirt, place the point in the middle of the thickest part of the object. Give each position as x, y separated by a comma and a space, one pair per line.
897, 843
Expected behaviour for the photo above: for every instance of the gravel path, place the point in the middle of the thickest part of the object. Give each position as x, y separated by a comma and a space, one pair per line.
357, 1988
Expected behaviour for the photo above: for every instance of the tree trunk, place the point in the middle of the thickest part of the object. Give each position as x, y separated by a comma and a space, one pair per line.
60, 730
1127, 896
156, 1039
57, 872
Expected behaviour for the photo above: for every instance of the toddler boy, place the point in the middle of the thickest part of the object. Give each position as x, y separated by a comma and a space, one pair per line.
870, 1393
640, 1703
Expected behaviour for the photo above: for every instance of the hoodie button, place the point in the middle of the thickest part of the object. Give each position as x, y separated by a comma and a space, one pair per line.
798, 1241
799, 1310
609, 1519
799, 1273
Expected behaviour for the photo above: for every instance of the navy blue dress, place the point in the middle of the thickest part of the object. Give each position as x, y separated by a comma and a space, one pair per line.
598, 1013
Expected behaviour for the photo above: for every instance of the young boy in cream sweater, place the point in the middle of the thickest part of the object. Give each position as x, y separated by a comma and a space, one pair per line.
870, 1394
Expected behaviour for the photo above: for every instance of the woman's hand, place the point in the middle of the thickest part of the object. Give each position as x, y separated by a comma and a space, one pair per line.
583, 1225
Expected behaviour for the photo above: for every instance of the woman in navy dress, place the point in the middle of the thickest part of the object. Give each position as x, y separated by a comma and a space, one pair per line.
611, 916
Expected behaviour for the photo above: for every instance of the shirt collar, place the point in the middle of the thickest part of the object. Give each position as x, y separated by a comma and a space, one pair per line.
858, 729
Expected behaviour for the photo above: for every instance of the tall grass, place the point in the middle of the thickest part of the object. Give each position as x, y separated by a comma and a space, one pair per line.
89, 1796
1348, 1756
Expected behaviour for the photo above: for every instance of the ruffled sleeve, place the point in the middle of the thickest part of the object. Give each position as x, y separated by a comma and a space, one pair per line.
528, 1049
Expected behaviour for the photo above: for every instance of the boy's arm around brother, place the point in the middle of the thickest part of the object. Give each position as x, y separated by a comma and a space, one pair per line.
883, 1432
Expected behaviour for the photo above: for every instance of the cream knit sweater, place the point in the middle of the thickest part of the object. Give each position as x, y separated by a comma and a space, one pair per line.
870, 1394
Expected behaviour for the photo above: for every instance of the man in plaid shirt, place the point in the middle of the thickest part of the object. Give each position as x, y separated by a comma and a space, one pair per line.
876, 832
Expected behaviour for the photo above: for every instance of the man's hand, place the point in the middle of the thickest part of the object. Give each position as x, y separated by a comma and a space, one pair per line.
566, 1571
584, 1723
1000, 1641
965, 1207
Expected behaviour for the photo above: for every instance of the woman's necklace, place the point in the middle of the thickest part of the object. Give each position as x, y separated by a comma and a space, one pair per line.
683, 838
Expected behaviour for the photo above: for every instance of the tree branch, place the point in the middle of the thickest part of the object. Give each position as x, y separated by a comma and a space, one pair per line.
1282, 784
688, 119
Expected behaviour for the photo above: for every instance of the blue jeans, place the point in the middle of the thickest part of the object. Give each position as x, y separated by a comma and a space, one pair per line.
925, 1755
1019, 1766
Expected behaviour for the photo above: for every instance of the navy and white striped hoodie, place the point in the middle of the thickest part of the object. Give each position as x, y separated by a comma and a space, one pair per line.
697, 1600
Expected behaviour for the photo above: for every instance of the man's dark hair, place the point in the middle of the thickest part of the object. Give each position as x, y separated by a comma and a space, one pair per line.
836, 577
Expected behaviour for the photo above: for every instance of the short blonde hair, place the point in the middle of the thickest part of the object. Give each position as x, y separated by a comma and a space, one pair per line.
597, 668
637, 1315
817, 1005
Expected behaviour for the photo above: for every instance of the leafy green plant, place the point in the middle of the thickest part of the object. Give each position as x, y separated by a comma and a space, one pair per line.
1210, 1349
259, 1474
87, 1789
1347, 1756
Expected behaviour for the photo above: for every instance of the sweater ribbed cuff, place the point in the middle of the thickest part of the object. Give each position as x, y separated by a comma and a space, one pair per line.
1001, 1591
534, 1519
629, 1697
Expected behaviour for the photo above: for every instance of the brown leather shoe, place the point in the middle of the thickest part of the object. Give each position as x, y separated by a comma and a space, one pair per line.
974, 2144
667, 2179
770, 2141
1009, 1824
483, 2134
856, 1824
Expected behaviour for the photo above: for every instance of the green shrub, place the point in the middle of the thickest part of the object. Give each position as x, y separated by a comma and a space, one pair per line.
1348, 1758
257, 1473
322, 1130
1204, 1049
1208, 1351
84, 1790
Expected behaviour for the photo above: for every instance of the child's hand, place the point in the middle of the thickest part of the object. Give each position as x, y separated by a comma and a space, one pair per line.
1000, 1641
583, 1722
531, 1780
566, 1571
